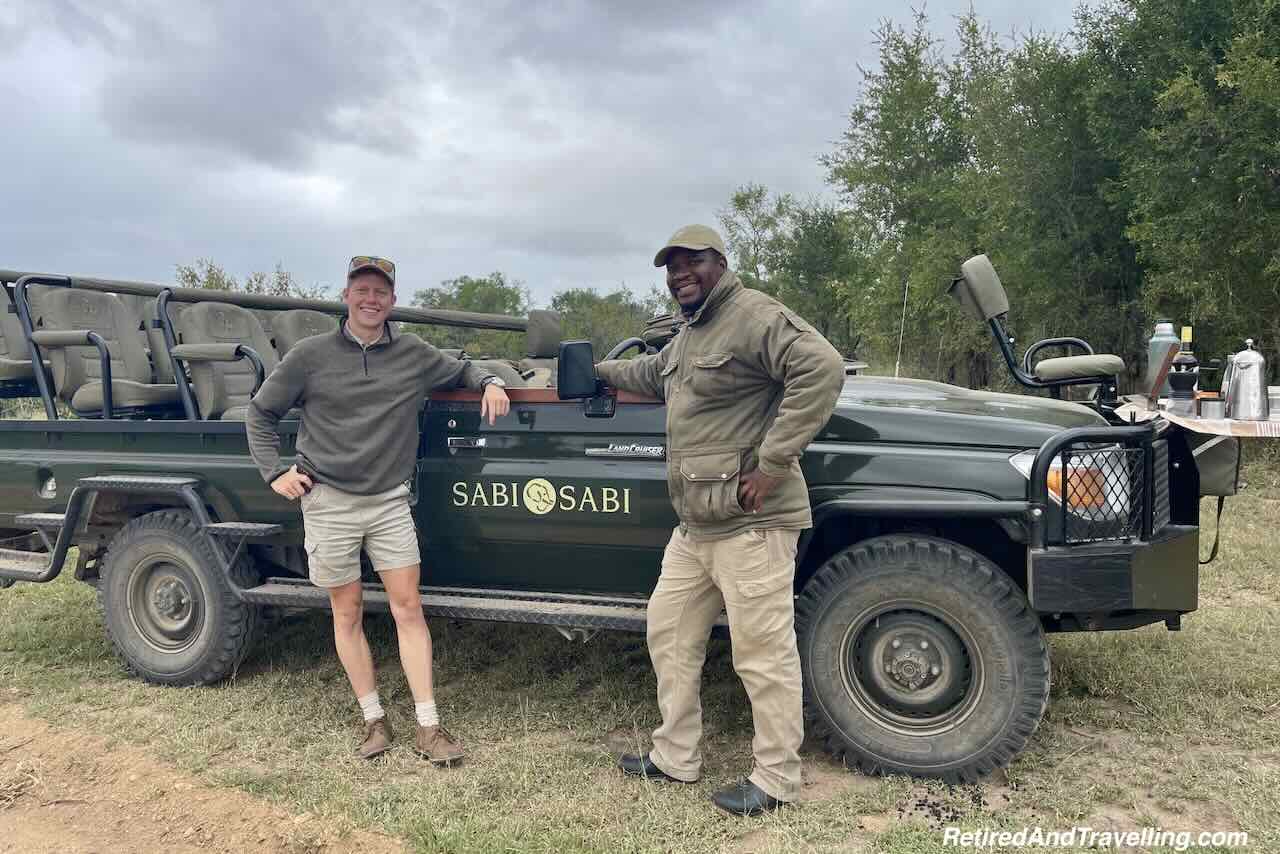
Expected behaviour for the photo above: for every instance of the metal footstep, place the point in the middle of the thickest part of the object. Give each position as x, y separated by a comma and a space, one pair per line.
619, 615
246, 530
43, 521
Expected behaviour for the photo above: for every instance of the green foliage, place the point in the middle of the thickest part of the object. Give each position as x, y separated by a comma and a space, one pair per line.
491, 294
807, 254
1130, 172
1201, 158
606, 319
204, 273
754, 227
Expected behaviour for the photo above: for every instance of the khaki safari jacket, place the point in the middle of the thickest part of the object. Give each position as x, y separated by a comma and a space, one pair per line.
748, 384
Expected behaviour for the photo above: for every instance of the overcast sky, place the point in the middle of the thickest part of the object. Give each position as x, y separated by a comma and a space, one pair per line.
558, 142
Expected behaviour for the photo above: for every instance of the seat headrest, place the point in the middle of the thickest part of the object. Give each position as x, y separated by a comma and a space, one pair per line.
543, 334
978, 289
290, 327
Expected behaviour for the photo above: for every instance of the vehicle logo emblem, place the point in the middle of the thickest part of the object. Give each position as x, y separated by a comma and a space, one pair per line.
539, 496
647, 452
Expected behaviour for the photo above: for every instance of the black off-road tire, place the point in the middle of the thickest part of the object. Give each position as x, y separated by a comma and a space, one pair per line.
920, 657
170, 614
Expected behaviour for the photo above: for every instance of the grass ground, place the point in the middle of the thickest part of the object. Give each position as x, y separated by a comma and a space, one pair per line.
1144, 728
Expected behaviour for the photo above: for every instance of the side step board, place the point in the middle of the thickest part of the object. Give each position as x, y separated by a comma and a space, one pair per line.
586, 612
39, 567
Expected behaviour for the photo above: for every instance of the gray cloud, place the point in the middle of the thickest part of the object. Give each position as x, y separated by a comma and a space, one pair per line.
273, 82
557, 142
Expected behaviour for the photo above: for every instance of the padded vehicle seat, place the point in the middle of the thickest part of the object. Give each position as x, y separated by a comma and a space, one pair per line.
15, 362
290, 327
77, 371
223, 389
144, 308
660, 329
542, 340
1079, 367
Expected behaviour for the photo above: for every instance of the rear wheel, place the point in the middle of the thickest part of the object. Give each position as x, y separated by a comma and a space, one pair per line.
169, 611
920, 657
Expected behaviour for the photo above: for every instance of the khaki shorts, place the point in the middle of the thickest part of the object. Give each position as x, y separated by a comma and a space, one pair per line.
338, 524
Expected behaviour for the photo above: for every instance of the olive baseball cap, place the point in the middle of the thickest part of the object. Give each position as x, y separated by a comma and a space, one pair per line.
694, 237
361, 263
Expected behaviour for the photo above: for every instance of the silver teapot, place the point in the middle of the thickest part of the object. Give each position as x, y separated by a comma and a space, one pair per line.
1246, 385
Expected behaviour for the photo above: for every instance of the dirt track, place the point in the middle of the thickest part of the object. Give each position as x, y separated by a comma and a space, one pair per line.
71, 793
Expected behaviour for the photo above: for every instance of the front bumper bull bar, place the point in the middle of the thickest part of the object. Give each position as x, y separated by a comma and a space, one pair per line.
1154, 568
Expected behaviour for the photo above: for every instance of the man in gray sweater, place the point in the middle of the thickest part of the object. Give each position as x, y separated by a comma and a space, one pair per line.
360, 390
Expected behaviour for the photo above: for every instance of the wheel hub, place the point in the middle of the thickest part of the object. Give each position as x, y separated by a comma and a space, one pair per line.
911, 666
171, 599
164, 605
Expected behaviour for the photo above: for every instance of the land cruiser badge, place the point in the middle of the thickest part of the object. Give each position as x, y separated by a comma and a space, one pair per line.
646, 452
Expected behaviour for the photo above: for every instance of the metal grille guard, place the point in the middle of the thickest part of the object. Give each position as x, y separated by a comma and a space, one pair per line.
1137, 451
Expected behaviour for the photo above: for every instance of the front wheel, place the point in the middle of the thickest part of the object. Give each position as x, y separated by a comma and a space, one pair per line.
920, 657
168, 608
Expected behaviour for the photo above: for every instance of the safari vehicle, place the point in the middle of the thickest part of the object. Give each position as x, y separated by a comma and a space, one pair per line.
952, 528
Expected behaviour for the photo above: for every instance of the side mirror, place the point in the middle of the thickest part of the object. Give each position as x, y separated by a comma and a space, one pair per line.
576, 371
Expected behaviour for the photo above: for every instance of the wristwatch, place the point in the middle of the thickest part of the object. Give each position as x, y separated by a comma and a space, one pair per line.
492, 379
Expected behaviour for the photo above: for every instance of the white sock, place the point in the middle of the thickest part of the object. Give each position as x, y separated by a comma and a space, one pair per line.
370, 707
427, 714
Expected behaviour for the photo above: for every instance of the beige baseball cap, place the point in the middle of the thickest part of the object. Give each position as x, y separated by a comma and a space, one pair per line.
361, 263
695, 237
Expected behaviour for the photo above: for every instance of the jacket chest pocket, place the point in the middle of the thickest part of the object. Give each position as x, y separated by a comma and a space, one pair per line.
709, 483
668, 378
715, 374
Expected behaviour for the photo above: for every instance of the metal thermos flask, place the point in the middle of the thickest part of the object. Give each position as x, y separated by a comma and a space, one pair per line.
1163, 338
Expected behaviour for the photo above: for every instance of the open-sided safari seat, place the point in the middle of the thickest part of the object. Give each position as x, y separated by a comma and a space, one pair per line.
64, 319
17, 379
144, 309
979, 290
290, 327
542, 344
222, 345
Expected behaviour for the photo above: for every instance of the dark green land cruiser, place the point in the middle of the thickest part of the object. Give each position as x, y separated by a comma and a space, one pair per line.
952, 528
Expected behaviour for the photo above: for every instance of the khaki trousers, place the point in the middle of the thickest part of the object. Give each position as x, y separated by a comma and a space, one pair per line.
750, 575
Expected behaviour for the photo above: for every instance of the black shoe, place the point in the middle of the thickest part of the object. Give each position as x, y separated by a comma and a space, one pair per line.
642, 766
745, 798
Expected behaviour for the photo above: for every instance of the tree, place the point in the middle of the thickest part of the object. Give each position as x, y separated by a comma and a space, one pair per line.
491, 294
1188, 97
204, 273
821, 264
991, 150
805, 254
897, 168
755, 227
607, 319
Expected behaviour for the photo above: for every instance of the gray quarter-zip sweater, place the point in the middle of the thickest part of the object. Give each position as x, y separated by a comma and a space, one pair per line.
359, 404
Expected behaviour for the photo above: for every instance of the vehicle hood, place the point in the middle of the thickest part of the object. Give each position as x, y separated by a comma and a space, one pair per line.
925, 412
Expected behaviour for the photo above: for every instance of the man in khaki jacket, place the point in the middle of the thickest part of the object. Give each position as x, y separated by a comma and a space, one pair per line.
748, 384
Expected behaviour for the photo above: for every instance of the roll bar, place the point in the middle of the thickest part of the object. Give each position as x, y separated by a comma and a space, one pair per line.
431, 316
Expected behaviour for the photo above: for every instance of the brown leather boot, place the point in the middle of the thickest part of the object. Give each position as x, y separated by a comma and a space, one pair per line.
436, 744
377, 739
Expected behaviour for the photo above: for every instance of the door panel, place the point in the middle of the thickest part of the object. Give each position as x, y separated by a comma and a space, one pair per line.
547, 499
